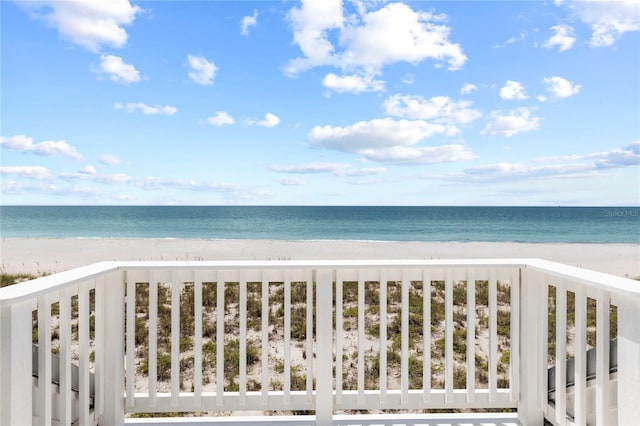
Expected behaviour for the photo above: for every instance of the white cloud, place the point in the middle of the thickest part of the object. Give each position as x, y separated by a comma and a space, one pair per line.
291, 181
389, 140
110, 160
513, 90
117, 70
560, 87
353, 83
517, 121
368, 39
468, 88
609, 20
201, 70
30, 172
88, 170
92, 176
220, 118
337, 169
563, 38
270, 120
89, 24
24, 143
520, 37
568, 166
147, 109
248, 22
439, 109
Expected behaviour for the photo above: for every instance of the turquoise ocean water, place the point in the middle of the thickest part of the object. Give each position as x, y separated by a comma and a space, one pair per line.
519, 224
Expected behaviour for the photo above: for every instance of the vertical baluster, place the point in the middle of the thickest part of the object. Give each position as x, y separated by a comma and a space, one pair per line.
44, 360
448, 321
100, 347
131, 340
197, 341
561, 352
15, 363
64, 410
580, 365
175, 339
471, 335
243, 341
514, 338
324, 332
602, 358
543, 363
493, 336
153, 339
361, 338
404, 333
220, 312
426, 336
265, 339
83, 354
287, 337
309, 335
383, 336
339, 334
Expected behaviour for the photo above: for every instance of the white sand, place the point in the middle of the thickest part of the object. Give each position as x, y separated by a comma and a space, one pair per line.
36, 255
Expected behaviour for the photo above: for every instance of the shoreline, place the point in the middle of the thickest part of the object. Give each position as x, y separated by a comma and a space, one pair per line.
50, 255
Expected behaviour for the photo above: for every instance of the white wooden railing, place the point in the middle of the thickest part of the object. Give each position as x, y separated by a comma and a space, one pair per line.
375, 337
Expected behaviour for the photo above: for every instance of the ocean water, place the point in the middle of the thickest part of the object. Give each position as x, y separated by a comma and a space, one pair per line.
500, 224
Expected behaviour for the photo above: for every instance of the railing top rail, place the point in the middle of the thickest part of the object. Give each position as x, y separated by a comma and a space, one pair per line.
34, 288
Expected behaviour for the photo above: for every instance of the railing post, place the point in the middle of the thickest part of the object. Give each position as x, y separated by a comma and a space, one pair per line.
529, 412
324, 347
15, 364
628, 361
114, 345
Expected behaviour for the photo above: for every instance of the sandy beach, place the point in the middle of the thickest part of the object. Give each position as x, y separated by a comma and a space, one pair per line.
49, 255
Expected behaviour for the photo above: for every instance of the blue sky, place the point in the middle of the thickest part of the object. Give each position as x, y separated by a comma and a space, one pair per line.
323, 102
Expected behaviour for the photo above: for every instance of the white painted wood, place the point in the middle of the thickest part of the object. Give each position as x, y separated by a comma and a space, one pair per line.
448, 329
561, 352
493, 335
309, 334
543, 360
602, 358
265, 339
383, 336
339, 331
471, 335
197, 341
131, 340
531, 298
44, 361
175, 338
324, 333
64, 408
287, 335
404, 350
628, 361
426, 336
100, 345
242, 379
531, 321
114, 361
220, 312
514, 358
361, 338
153, 338
83, 354
15, 363
580, 366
